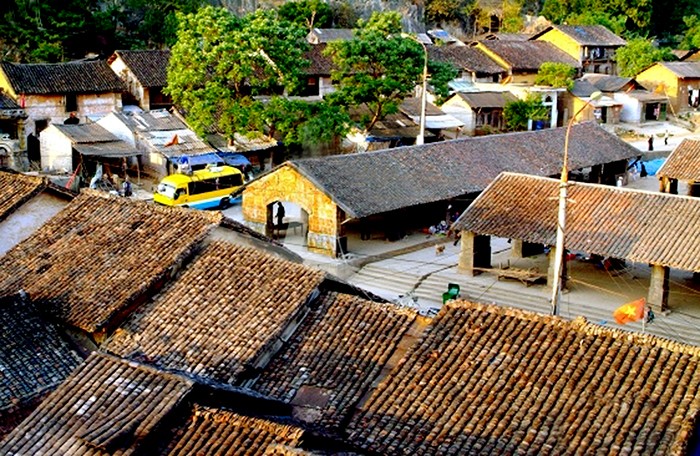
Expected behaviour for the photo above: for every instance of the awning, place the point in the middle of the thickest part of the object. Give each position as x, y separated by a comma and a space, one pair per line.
234, 159
195, 160
107, 149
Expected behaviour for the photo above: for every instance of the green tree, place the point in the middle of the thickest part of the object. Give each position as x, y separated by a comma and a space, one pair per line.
636, 13
691, 38
440, 74
377, 69
307, 13
517, 113
512, 18
220, 62
556, 75
614, 24
638, 54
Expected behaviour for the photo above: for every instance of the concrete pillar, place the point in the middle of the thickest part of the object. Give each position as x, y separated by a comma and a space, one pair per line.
475, 253
550, 268
658, 288
522, 249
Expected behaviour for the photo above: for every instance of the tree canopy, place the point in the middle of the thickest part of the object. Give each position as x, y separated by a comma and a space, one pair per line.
518, 113
307, 13
639, 54
556, 75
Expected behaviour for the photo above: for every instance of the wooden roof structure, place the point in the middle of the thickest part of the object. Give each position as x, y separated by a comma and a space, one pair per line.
492, 380
609, 221
683, 163
465, 58
586, 35
528, 55
106, 406
100, 255
224, 313
409, 176
83, 76
334, 356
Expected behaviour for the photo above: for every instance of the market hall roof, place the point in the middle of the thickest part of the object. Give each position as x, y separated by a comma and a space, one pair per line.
334, 356
101, 254
465, 58
84, 76
491, 380
150, 67
15, 190
107, 406
35, 357
529, 55
368, 183
604, 220
239, 301
683, 163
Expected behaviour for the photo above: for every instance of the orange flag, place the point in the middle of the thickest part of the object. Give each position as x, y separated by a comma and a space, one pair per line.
173, 142
632, 311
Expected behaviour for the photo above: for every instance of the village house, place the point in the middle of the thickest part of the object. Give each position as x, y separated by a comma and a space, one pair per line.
604, 109
338, 194
318, 74
679, 81
82, 148
145, 74
26, 203
51, 92
593, 46
523, 59
473, 64
481, 112
13, 142
625, 226
682, 165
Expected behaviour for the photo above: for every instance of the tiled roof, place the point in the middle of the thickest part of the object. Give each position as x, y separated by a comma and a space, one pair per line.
491, 380
529, 55
15, 190
583, 88
107, 406
7, 103
35, 358
90, 76
689, 70
150, 67
610, 221
683, 163
216, 432
319, 64
86, 133
608, 83
100, 254
587, 35
508, 36
412, 106
487, 99
465, 58
408, 176
239, 301
335, 355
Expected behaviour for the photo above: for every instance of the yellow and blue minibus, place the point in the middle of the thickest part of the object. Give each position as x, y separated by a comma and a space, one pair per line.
201, 189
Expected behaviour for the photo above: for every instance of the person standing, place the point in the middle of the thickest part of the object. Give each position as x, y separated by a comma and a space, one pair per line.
280, 214
666, 138
651, 143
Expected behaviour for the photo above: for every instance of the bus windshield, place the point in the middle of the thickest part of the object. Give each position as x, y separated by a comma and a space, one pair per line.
166, 190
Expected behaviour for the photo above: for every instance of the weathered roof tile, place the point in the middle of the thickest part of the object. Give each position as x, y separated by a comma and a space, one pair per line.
529, 55
91, 76
150, 67
16, 189
683, 163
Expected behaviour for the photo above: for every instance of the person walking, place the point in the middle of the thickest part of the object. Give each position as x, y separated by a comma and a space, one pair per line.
666, 138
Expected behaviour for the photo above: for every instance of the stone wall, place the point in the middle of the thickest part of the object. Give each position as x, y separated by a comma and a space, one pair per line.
286, 184
53, 108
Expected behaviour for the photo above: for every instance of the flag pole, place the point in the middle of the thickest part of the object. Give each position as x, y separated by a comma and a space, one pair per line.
644, 319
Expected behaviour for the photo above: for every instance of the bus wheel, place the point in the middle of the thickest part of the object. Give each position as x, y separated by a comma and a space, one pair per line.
224, 203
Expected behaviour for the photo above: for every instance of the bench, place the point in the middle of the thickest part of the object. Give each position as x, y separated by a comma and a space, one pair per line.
527, 276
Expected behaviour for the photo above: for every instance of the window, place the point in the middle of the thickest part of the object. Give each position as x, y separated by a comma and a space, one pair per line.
71, 102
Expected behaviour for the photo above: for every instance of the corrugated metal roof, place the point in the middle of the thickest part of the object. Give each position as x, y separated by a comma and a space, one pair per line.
683, 163
318, 35
529, 55
155, 120
646, 96
108, 149
150, 67
86, 133
683, 69
635, 225
487, 99
91, 76
369, 183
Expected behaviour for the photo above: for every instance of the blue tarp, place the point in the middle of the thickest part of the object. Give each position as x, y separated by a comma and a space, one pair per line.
195, 160
234, 159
